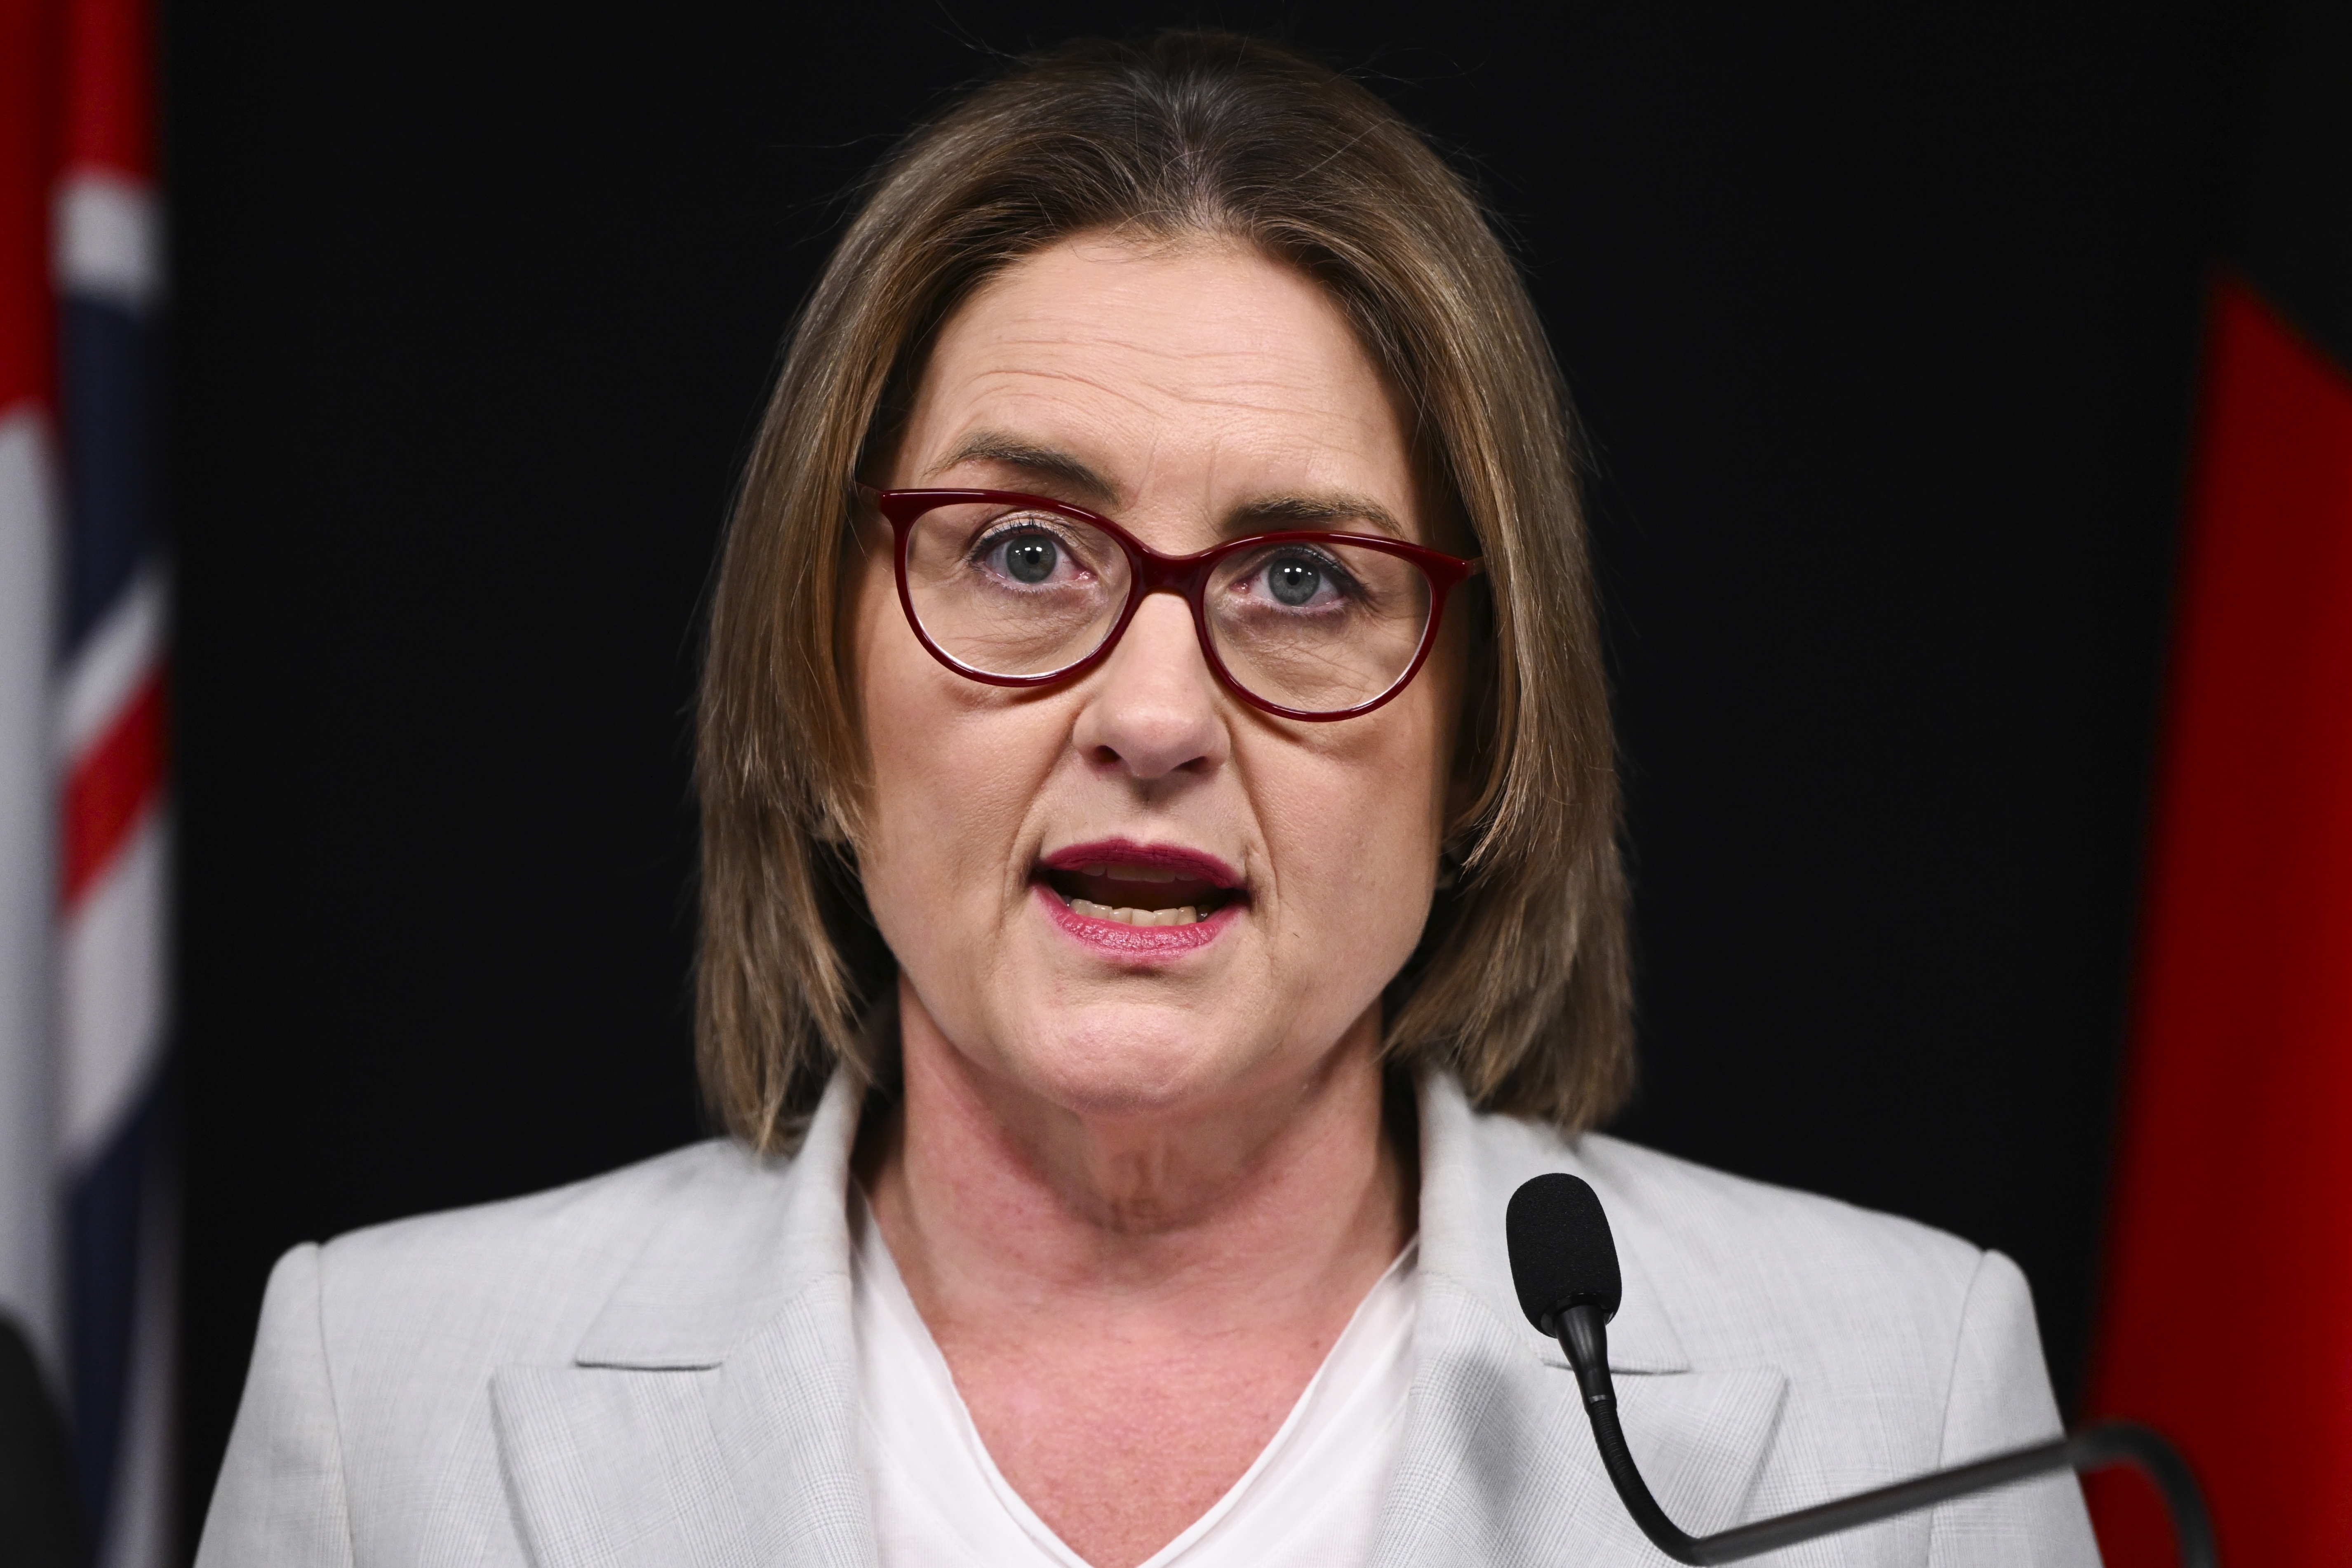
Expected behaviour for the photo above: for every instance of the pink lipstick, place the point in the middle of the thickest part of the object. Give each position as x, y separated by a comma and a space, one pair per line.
1140, 901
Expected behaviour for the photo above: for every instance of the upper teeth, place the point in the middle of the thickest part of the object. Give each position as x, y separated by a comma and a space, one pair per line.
1182, 915
1132, 873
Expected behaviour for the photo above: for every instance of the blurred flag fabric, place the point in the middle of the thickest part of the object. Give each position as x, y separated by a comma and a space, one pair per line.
29, 1290
2228, 1312
88, 1259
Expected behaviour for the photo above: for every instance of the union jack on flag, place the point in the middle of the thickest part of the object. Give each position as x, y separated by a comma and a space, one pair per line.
88, 1227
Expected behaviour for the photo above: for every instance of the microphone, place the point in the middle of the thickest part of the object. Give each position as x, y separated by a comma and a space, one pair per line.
1564, 1268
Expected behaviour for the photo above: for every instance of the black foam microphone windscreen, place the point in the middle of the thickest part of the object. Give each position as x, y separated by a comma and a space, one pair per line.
1563, 1254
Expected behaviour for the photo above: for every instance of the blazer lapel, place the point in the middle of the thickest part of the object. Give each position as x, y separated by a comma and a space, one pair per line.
613, 1468
709, 1418
1499, 1464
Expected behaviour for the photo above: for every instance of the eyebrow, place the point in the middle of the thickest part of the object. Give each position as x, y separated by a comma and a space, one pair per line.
1044, 462
1280, 511
1268, 512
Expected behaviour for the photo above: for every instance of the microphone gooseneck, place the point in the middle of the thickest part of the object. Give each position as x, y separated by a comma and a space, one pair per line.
1564, 1267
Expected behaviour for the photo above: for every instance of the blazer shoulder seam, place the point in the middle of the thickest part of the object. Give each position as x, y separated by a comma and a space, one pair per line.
1952, 1363
335, 1403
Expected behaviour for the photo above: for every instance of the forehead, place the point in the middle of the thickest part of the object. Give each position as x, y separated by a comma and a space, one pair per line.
1183, 374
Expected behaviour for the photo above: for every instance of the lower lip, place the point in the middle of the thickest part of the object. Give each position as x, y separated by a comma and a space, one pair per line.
1115, 939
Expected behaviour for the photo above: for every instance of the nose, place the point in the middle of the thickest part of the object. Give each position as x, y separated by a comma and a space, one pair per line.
1153, 709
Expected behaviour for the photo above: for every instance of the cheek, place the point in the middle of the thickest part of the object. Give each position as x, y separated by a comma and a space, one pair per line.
902, 831
950, 780
1354, 828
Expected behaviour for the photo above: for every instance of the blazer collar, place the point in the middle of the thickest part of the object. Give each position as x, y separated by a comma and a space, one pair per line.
709, 1414
1499, 1464
722, 1270
1471, 1164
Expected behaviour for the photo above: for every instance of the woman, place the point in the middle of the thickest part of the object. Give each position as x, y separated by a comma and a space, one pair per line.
1160, 899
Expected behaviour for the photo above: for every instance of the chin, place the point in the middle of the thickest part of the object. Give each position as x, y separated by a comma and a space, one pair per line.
1128, 1066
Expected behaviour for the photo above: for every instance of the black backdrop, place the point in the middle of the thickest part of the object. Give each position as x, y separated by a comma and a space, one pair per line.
1882, 321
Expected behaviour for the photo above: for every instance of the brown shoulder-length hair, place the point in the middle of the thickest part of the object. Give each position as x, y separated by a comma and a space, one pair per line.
1520, 982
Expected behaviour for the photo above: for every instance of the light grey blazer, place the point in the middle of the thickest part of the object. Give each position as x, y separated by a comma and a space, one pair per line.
654, 1368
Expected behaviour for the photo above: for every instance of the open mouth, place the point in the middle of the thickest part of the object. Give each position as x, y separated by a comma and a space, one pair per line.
1129, 885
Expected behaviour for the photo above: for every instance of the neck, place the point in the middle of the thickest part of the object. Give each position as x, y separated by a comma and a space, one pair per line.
1271, 1206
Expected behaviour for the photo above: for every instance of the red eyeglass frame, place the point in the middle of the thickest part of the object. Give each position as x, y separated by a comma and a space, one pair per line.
1149, 573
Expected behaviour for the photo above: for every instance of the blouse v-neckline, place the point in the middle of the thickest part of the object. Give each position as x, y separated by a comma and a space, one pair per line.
1310, 1498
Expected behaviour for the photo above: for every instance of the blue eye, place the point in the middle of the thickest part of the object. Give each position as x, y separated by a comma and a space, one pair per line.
1295, 577
1030, 557
1292, 581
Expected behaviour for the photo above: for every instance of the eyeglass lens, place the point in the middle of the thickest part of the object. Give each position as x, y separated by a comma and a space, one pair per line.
1313, 626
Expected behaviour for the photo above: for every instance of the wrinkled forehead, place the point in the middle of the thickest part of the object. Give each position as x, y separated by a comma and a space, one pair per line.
1185, 390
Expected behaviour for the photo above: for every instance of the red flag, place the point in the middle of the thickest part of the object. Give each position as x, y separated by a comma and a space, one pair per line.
2229, 1321
2228, 1292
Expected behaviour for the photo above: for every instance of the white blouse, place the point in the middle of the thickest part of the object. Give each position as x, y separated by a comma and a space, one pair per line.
1312, 1499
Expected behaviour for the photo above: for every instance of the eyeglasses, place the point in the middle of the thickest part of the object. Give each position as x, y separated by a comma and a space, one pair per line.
1018, 590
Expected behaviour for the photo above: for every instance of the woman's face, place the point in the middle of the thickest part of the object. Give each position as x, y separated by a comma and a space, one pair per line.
1191, 394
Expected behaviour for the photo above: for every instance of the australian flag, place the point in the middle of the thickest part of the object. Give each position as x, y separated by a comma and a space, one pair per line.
89, 1232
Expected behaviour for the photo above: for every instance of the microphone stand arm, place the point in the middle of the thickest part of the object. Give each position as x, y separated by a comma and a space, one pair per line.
1584, 1335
